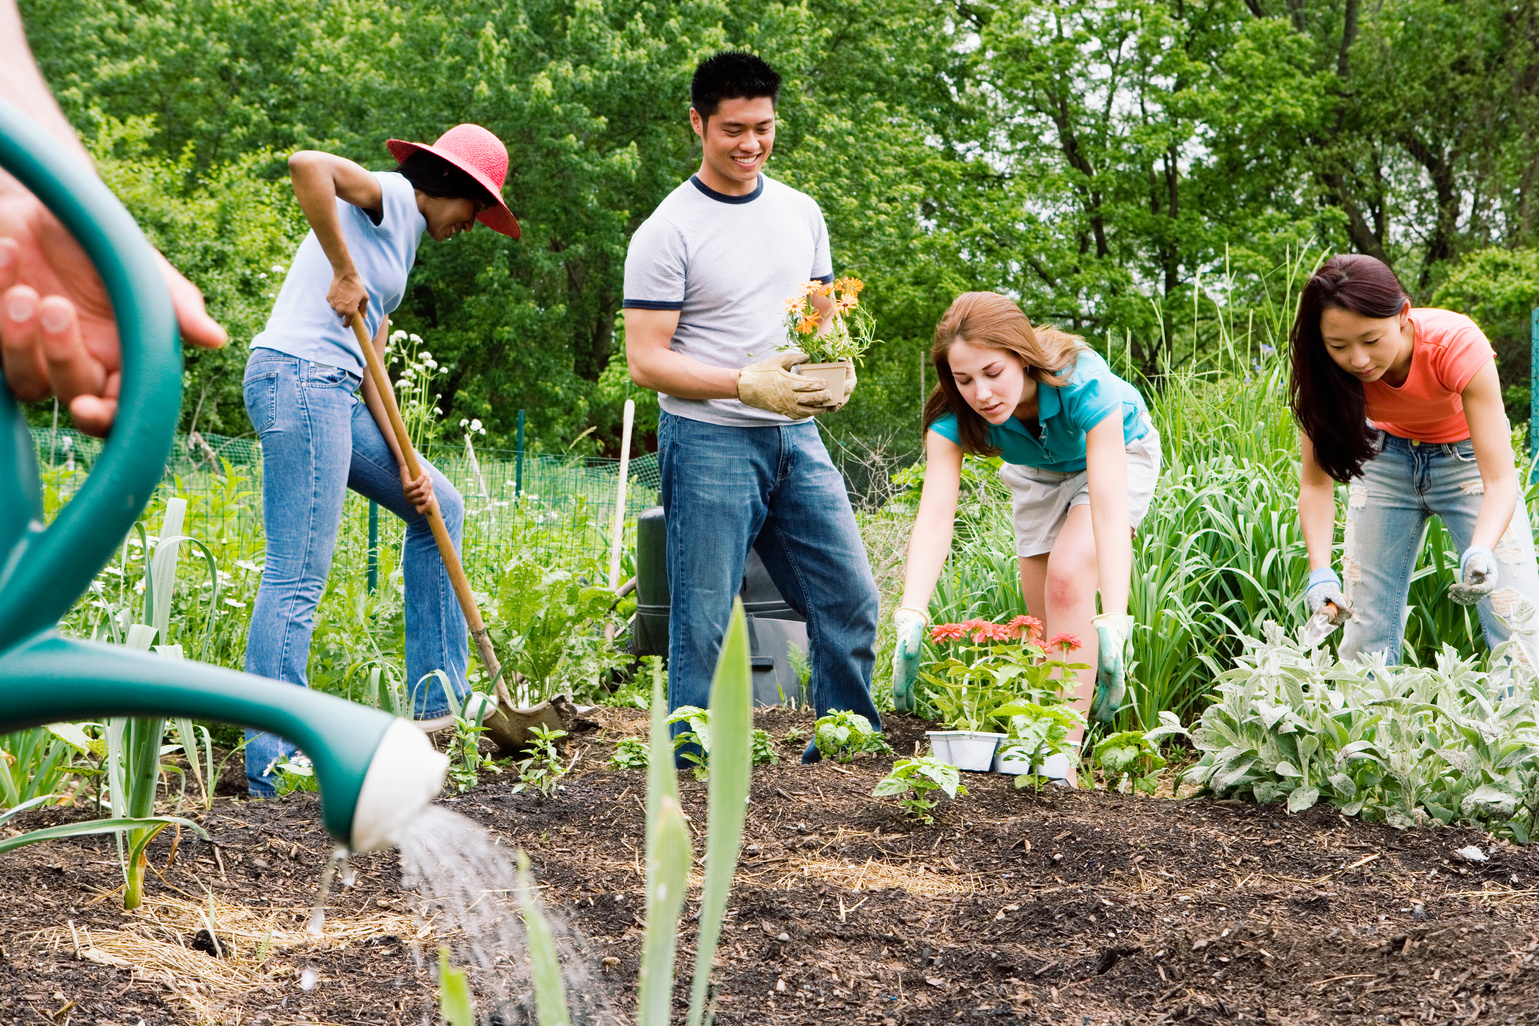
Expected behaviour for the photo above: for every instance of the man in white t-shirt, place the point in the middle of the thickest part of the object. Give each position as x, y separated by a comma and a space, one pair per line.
706, 280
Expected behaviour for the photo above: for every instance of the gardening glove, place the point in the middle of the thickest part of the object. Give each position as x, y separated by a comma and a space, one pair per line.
1324, 586
1112, 631
770, 385
849, 380
1477, 576
910, 625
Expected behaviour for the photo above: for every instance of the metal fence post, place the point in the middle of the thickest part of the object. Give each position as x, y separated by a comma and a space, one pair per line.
1533, 393
373, 545
518, 467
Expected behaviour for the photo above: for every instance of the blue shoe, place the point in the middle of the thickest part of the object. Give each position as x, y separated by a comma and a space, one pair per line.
811, 755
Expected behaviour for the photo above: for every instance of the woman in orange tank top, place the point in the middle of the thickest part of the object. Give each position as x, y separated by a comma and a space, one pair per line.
1403, 406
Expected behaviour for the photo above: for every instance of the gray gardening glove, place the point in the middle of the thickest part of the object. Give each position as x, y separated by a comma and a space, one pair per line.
1477, 576
770, 385
1324, 586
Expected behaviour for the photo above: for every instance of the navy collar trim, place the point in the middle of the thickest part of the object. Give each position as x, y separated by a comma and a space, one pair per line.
721, 197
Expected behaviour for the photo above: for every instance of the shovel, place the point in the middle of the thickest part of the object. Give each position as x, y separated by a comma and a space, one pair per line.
505, 724
1319, 626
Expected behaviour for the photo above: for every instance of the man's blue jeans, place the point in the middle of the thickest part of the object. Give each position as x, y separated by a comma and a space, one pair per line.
317, 442
725, 489
1387, 511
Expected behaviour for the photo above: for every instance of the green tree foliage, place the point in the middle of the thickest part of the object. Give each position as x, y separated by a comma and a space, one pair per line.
1118, 165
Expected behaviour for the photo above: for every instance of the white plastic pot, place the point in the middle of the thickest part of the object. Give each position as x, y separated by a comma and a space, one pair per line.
833, 375
940, 744
1013, 761
973, 750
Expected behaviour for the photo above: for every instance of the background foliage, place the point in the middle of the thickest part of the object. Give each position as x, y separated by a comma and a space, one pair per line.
1099, 160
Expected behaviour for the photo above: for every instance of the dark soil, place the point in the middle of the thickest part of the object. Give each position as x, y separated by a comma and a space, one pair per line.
1066, 907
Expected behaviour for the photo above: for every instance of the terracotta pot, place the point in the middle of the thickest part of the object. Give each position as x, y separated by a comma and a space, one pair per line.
832, 375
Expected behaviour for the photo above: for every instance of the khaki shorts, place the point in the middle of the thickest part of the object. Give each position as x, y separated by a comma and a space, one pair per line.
1041, 499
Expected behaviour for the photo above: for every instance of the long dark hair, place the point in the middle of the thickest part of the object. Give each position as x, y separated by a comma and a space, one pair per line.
433, 176
1328, 402
990, 319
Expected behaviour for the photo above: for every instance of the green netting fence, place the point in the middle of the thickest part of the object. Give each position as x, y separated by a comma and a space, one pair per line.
557, 508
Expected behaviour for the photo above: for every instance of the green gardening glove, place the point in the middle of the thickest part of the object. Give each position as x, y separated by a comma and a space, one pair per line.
1112, 632
910, 624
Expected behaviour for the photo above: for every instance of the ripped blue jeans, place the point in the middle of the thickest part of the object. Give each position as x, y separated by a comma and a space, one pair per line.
1387, 511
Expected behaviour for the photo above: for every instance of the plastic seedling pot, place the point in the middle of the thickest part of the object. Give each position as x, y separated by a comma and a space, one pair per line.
940, 744
832, 375
1012, 759
974, 750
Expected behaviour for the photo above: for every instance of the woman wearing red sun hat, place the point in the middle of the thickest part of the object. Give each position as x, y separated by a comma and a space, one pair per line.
301, 381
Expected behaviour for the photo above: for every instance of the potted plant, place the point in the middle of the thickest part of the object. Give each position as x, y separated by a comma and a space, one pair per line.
998, 685
831, 354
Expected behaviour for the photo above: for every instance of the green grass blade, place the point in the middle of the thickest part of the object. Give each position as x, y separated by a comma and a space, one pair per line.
662, 778
99, 826
544, 966
668, 860
731, 770
454, 1000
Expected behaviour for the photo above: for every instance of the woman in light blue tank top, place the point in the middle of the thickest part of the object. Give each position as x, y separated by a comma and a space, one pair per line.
318, 440
1081, 458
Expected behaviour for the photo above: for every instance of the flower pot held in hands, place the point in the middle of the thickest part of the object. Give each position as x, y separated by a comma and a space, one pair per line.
833, 375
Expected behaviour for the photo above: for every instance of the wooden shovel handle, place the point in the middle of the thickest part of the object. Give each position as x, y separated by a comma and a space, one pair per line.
435, 518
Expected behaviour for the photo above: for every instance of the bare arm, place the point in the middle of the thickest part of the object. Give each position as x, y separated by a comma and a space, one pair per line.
1492, 439
654, 365
930, 541
319, 180
1317, 507
1106, 470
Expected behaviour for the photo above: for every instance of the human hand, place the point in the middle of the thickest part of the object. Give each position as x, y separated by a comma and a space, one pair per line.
1477, 576
910, 625
418, 492
57, 332
1325, 587
770, 385
347, 296
1112, 631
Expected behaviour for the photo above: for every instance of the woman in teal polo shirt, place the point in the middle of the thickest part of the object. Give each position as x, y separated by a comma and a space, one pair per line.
1081, 460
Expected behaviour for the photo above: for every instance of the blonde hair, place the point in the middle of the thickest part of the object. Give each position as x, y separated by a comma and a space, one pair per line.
992, 320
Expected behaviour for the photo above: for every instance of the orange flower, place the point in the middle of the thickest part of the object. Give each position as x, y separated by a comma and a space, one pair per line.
850, 285
1067, 642
948, 632
808, 324
793, 304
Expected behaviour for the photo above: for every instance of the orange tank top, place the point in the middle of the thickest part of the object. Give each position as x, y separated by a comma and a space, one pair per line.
1447, 349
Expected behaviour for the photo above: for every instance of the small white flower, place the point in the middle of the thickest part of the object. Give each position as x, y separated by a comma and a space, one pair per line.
277, 268
416, 338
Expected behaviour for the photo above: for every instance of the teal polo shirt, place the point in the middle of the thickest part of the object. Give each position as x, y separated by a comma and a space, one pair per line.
1064, 415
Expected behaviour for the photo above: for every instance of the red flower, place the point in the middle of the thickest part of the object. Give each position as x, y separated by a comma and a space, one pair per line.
1028, 625
991, 632
948, 632
973, 625
1064, 641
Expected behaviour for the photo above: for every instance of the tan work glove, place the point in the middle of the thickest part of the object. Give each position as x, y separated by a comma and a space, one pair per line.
769, 385
849, 380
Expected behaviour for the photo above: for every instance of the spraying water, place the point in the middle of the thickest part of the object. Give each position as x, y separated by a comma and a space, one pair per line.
317, 923
469, 886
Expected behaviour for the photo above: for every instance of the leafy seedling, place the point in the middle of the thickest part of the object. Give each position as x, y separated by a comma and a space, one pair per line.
844, 735
630, 753
917, 780
542, 767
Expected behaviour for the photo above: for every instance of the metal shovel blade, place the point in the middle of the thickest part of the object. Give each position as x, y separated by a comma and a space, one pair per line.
1318, 627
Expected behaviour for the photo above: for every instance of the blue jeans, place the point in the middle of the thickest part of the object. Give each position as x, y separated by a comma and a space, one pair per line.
725, 489
1387, 511
317, 442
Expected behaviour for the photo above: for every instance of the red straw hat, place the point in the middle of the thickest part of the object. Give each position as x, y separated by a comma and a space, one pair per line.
479, 154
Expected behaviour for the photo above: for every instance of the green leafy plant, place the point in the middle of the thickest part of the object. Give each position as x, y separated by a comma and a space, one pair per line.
542, 767
454, 1001
551, 625
843, 735
763, 753
295, 773
630, 753
1037, 731
917, 780
466, 761
1130, 760
795, 735
1404, 745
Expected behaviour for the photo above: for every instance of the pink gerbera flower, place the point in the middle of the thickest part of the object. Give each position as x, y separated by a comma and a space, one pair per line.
991, 632
1028, 625
948, 632
1067, 642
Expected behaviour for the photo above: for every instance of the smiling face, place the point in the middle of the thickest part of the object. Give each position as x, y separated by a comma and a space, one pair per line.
737, 140
992, 381
449, 217
1368, 348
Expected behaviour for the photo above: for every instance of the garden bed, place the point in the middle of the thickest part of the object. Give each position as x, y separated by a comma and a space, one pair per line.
1072, 907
